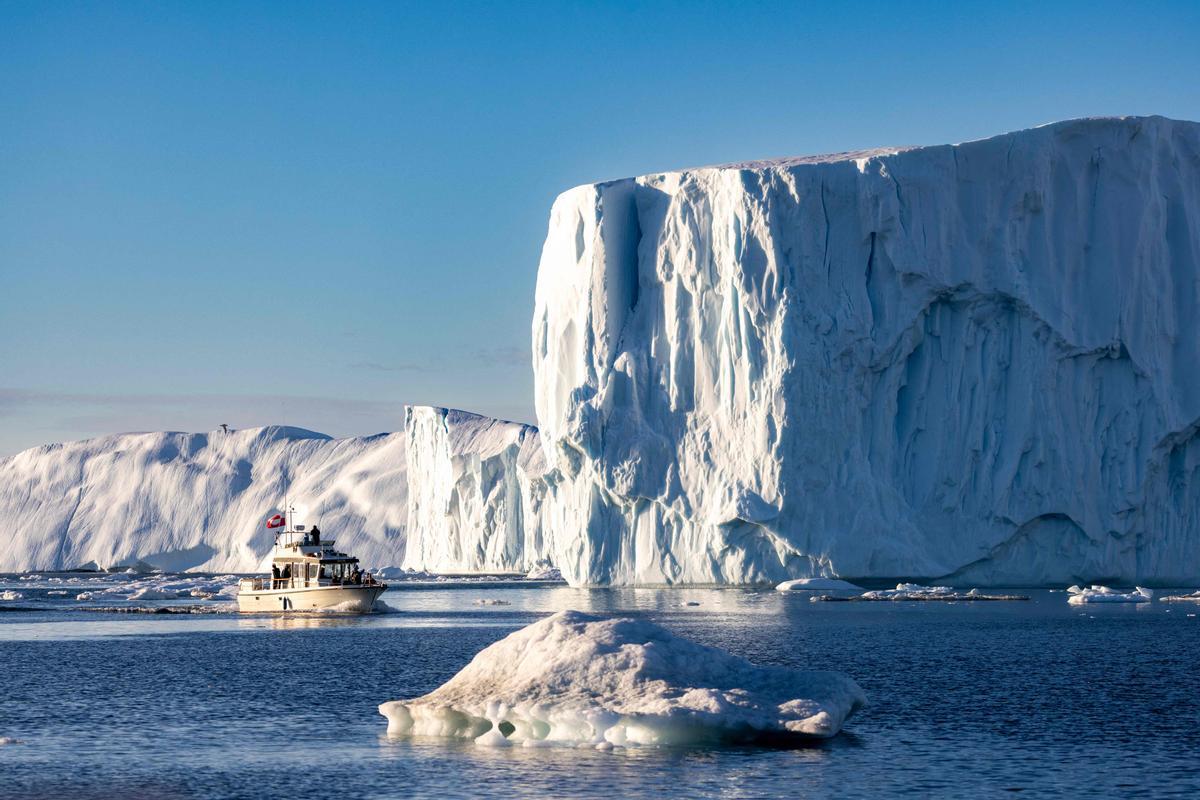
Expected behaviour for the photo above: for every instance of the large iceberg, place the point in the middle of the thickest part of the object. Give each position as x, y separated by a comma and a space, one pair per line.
976, 363
197, 501
475, 493
577, 679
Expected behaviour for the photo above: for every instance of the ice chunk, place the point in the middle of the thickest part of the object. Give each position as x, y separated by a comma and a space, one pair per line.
917, 592
577, 679
85, 596
11, 595
1103, 594
544, 572
817, 585
1181, 598
151, 593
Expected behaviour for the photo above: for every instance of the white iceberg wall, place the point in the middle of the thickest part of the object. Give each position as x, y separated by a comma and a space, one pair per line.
197, 501
475, 492
973, 362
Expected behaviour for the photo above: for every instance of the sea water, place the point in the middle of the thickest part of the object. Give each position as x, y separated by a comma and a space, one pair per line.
967, 699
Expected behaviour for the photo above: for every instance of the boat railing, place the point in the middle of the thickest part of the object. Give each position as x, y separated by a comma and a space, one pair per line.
259, 584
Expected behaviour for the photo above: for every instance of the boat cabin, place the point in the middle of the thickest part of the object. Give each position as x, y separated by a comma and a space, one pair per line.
303, 560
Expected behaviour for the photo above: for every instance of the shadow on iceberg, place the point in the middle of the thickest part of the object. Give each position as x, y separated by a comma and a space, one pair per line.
579, 680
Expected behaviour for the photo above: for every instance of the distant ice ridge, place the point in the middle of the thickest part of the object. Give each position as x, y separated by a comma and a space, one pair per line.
576, 679
970, 363
196, 501
475, 494
1103, 594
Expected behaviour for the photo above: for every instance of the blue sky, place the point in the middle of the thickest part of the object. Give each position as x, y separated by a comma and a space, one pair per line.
313, 213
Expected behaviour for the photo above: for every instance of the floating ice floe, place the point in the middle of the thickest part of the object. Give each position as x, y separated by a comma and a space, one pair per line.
11, 595
85, 596
491, 601
152, 593
57, 592
1103, 594
917, 592
817, 585
581, 680
9, 740
1181, 598
544, 573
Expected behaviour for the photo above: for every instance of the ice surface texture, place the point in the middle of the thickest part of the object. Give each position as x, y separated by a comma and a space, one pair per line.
976, 363
577, 679
179, 501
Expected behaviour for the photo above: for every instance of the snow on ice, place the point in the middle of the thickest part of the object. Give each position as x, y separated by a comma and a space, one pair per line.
576, 679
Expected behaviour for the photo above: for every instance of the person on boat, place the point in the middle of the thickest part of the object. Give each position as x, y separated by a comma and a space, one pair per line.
286, 575
356, 576
316, 536
274, 576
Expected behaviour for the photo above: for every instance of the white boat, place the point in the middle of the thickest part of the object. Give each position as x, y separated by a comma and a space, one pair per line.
308, 574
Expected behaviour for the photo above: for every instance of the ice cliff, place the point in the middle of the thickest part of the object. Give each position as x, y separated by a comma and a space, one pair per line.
475, 495
978, 363
197, 501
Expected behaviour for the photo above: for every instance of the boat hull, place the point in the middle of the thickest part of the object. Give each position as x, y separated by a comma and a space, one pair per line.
348, 599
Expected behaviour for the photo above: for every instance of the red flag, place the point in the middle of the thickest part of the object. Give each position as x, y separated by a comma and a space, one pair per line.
276, 521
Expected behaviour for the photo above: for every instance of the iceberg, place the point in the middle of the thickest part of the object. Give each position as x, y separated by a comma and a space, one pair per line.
1102, 594
8, 594
474, 494
969, 364
576, 679
196, 501
1194, 597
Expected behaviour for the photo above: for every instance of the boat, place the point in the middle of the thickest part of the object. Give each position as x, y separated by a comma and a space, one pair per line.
308, 574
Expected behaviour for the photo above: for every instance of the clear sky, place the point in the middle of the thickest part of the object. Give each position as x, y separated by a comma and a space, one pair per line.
314, 213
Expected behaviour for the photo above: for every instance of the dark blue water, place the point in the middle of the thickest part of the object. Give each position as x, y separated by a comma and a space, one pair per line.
968, 700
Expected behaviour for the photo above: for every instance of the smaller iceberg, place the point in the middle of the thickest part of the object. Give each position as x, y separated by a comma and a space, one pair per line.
1194, 597
917, 592
543, 572
11, 595
581, 680
1103, 594
817, 585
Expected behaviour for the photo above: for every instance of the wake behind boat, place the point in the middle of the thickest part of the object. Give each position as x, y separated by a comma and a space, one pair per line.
308, 574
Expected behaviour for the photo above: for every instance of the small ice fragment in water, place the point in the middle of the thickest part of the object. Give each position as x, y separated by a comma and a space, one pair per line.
580, 680
11, 595
1103, 594
543, 572
1194, 597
